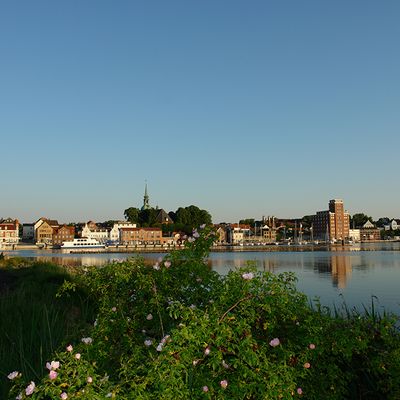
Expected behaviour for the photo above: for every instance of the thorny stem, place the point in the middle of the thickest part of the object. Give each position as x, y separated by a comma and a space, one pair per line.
249, 296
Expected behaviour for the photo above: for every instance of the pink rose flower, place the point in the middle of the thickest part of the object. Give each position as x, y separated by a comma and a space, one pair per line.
30, 388
89, 379
64, 396
149, 317
248, 276
69, 348
274, 342
53, 365
299, 391
53, 375
167, 264
13, 375
207, 351
205, 389
307, 365
78, 356
224, 384
312, 346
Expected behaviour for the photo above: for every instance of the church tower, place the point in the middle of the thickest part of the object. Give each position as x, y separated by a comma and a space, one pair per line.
146, 204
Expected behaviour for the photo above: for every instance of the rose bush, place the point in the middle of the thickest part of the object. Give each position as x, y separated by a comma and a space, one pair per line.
180, 331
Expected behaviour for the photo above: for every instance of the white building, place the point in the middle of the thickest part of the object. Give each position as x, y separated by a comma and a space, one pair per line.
114, 234
237, 235
91, 231
9, 232
393, 225
354, 235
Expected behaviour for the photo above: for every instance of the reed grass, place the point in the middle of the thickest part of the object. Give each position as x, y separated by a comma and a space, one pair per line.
34, 322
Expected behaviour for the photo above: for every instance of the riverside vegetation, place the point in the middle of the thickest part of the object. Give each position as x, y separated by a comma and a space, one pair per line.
177, 330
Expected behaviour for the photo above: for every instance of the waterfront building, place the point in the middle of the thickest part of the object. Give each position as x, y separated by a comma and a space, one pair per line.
369, 232
64, 233
9, 231
141, 236
354, 235
237, 233
51, 222
115, 232
268, 230
92, 231
28, 232
394, 225
221, 233
44, 233
332, 224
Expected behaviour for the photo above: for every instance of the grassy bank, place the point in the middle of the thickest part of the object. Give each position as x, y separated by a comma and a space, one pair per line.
34, 322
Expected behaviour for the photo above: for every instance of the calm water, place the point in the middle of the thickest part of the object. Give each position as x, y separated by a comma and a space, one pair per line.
354, 274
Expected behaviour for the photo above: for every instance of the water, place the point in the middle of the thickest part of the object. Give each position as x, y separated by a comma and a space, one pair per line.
354, 274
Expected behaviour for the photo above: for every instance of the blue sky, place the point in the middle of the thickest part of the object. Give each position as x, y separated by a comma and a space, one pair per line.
242, 108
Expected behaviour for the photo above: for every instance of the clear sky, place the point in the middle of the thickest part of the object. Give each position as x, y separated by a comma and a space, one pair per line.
243, 108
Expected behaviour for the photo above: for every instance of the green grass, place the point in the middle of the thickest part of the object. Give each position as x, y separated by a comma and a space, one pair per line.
33, 321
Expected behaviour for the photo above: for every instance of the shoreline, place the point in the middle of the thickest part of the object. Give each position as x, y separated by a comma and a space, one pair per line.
216, 249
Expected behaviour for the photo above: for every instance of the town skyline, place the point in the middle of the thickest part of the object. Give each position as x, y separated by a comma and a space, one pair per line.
150, 204
268, 109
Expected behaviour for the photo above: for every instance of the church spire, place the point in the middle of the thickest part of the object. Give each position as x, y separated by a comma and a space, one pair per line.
146, 204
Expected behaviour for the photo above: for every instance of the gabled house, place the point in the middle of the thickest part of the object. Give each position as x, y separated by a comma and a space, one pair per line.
44, 233
64, 233
163, 218
92, 231
368, 232
221, 233
9, 231
51, 222
268, 230
394, 225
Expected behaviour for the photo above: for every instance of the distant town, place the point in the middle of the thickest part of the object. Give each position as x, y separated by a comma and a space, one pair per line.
154, 227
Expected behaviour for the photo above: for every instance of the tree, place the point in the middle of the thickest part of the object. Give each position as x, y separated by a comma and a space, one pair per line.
382, 221
148, 217
247, 221
131, 214
192, 216
359, 219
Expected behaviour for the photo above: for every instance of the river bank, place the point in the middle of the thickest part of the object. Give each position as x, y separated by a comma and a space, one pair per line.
218, 248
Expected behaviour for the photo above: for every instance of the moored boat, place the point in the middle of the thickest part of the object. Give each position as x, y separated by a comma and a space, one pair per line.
82, 243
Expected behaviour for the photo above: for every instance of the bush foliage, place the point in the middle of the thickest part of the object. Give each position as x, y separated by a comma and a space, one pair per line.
177, 330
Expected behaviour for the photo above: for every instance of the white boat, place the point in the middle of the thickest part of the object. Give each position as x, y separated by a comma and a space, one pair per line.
82, 243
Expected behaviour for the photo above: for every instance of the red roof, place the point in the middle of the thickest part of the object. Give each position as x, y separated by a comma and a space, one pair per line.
8, 227
140, 229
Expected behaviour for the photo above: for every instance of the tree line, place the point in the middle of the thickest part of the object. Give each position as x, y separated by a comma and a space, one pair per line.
184, 219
